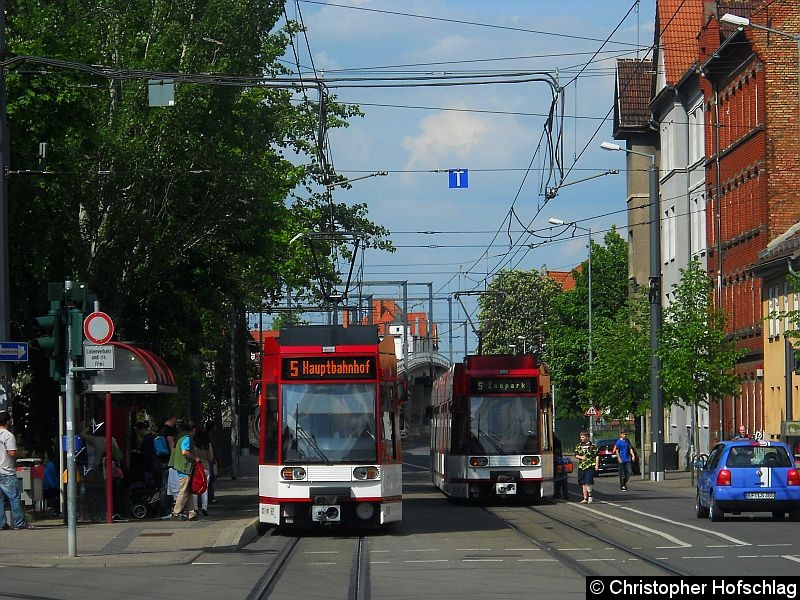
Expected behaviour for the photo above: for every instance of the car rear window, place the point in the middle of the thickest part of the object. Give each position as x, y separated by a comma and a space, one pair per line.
758, 456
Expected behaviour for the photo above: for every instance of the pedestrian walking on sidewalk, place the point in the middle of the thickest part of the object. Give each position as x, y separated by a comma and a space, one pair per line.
183, 458
588, 459
625, 457
9, 486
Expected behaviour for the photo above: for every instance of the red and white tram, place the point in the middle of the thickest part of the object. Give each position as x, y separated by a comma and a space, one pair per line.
492, 429
330, 434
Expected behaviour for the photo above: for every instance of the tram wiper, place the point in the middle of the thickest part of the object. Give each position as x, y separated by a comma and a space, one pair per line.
312, 442
485, 434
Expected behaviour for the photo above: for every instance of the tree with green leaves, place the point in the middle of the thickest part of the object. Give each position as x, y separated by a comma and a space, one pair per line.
618, 381
697, 357
176, 217
516, 304
567, 351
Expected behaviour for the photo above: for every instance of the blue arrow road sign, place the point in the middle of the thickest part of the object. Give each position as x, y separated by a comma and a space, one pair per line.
458, 178
14, 351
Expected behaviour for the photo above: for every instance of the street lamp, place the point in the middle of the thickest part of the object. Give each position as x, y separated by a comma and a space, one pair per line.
656, 398
554, 221
742, 22
522, 338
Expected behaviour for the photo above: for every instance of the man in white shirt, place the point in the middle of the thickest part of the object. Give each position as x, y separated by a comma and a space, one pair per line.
9, 486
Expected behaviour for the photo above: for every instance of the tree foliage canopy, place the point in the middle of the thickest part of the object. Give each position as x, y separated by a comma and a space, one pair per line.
619, 379
697, 357
516, 304
171, 215
567, 351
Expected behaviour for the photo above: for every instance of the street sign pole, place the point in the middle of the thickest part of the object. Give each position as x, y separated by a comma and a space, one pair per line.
72, 487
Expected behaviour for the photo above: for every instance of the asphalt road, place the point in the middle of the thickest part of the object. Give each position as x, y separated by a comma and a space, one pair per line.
444, 549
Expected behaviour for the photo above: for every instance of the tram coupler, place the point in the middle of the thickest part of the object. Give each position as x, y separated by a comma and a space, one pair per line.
505, 489
321, 513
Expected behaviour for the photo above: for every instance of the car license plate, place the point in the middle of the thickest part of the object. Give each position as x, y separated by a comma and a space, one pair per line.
759, 495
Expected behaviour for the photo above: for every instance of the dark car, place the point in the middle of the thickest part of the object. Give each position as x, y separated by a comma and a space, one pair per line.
608, 460
748, 476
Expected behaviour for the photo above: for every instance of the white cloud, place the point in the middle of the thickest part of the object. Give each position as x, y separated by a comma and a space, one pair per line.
444, 137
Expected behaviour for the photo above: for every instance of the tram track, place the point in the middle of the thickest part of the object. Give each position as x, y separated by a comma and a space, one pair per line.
358, 581
578, 566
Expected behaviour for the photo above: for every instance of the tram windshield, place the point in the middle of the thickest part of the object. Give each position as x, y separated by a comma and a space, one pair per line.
503, 425
329, 423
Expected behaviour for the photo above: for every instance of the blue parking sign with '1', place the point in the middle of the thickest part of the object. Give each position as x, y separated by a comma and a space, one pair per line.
459, 178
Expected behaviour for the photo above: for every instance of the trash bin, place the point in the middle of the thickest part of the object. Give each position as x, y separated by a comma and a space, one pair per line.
30, 473
670, 457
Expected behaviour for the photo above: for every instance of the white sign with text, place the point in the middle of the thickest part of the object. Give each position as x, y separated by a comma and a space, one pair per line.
98, 357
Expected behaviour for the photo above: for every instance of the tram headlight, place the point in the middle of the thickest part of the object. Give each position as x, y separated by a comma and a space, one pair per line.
293, 473
478, 461
366, 473
530, 461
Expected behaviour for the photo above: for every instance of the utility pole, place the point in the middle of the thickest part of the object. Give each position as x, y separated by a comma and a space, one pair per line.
5, 296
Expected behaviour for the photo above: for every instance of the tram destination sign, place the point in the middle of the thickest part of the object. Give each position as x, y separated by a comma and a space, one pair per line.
328, 367
502, 385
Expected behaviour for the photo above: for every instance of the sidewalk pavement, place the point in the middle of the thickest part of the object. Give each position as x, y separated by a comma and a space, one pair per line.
231, 524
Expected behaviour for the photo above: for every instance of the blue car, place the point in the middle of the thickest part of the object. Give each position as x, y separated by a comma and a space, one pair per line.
748, 476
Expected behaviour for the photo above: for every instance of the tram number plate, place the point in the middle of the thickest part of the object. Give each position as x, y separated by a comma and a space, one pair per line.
759, 495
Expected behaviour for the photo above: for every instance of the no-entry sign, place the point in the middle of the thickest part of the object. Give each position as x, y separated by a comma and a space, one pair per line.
98, 328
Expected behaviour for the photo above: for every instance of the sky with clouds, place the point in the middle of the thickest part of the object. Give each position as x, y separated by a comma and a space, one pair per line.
494, 130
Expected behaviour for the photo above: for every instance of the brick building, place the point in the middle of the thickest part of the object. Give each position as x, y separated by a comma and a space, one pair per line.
750, 87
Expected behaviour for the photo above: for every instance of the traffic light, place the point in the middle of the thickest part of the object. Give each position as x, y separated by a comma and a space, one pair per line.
52, 342
76, 333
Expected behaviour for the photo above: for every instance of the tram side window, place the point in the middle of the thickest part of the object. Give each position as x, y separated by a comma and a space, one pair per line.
271, 424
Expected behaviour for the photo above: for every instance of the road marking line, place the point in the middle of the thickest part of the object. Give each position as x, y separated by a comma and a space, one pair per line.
320, 552
380, 562
537, 560
522, 549
790, 557
473, 549
666, 536
694, 557
379, 551
771, 545
694, 527
217, 563
427, 561
596, 559
423, 550
574, 549
481, 560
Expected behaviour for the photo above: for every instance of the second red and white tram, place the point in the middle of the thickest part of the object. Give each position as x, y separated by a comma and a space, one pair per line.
492, 429
330, 435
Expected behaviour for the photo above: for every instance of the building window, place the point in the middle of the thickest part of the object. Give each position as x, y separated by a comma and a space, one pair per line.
786, 324
771, 311
669, 244
667, 148
698, 225
697, 148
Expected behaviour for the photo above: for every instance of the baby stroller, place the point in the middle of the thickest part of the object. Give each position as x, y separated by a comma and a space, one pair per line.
145, 497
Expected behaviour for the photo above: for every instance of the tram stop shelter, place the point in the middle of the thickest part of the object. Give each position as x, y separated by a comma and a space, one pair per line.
136, 371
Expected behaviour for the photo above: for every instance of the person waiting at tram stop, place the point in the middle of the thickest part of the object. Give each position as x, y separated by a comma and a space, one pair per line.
588, 463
